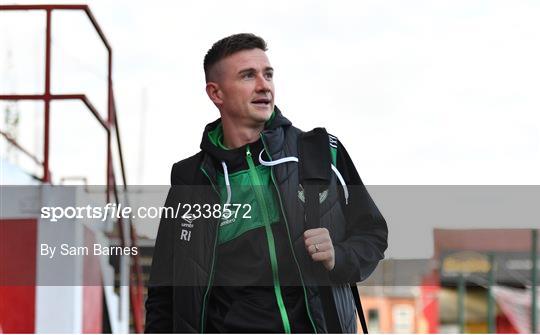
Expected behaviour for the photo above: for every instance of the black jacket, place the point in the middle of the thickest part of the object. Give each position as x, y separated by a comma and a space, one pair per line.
183, 271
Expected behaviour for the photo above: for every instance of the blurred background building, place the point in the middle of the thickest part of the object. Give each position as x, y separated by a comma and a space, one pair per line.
479, 281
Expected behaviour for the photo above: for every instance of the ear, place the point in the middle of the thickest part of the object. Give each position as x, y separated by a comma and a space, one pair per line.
214, 93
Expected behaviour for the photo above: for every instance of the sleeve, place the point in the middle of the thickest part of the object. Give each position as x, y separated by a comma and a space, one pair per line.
358, 255
159, 304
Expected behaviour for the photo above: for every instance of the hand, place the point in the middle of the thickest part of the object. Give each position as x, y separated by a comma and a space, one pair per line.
319, 246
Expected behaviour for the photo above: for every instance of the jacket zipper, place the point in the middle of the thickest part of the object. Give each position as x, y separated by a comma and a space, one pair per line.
270, 239
289, 236
211, 277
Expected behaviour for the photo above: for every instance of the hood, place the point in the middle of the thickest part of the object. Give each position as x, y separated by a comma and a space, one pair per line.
234, 158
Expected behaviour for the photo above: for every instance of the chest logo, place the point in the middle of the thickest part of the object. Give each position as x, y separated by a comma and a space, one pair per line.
187, 225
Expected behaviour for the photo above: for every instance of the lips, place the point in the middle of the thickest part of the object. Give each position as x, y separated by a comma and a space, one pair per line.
261, 101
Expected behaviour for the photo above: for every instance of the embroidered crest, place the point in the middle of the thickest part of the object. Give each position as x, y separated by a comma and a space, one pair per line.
322, 195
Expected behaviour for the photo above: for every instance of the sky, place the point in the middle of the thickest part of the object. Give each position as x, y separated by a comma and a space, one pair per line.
419, 92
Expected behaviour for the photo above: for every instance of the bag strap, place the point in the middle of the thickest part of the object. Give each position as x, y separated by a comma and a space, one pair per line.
359, 308
314, 175
314, 163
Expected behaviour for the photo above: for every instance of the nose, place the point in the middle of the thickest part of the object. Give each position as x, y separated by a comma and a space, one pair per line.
263, 84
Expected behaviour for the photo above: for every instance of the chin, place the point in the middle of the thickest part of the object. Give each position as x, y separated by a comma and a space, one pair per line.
262, 115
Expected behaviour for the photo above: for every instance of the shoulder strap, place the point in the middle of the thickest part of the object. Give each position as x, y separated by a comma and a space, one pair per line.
314, 174
314, 163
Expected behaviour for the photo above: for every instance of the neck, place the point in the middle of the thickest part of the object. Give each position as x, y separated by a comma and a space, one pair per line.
237, 134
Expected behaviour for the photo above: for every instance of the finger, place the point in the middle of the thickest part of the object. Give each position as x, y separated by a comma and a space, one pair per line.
321, 256
317, 239
325, 246
313, 232
312, 241
311, 249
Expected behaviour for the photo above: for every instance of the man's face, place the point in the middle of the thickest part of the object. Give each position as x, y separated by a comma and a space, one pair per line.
245, 82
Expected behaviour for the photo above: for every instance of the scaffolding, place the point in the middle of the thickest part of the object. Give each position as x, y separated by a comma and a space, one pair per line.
110, 124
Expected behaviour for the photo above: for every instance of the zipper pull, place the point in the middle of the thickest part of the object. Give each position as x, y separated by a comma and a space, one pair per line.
248, 152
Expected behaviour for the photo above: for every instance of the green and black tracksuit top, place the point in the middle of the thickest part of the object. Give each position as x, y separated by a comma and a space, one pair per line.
250, 272
257, 287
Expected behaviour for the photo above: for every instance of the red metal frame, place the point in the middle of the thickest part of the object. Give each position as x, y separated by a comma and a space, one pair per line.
47, 96
110, 125
19, 147
51, 97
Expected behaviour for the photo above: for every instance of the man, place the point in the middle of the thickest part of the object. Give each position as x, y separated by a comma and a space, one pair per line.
260, 269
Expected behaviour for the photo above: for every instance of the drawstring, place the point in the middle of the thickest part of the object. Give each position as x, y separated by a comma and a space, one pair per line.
295, 159
277, 161
342, 181
227, 182
281, 161
263, 162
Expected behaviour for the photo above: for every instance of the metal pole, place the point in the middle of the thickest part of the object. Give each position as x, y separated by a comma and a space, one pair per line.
490, 299
46, 131
461, 303
110, 181
534, 281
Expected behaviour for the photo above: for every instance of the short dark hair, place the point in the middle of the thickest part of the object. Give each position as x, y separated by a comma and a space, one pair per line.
230, 45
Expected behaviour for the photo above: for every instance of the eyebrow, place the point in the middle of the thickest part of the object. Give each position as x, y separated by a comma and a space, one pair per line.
249, 70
